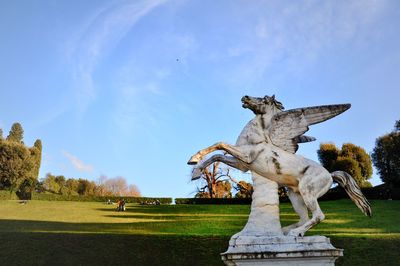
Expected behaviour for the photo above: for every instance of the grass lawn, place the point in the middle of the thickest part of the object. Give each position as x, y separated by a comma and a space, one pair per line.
83, 233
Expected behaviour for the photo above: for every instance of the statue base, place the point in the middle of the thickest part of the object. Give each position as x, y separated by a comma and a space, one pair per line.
280, 250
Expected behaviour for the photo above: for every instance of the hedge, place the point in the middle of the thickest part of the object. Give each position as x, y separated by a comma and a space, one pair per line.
141, 200
381, 192
377, 192
5, 195
213, 201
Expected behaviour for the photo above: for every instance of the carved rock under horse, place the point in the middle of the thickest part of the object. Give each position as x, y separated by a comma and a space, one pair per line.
267, 147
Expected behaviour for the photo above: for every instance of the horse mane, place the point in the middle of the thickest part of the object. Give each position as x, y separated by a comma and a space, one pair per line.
277, 104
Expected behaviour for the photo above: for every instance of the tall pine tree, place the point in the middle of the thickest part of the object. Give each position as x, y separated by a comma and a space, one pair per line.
36, 152
16, 133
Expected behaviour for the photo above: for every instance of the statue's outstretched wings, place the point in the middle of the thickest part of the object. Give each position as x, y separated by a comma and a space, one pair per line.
287, 127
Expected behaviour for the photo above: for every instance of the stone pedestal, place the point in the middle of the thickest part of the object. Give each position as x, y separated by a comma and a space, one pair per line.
280, 250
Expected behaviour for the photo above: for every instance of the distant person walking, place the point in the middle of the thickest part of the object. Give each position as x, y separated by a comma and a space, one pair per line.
121, 205
119, 202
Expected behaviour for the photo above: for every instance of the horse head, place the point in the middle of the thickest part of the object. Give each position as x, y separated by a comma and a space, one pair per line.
262, 105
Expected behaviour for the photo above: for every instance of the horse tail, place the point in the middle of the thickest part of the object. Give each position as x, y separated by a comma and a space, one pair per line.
353, 190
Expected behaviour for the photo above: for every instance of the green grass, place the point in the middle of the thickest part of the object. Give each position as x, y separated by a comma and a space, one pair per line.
92, 233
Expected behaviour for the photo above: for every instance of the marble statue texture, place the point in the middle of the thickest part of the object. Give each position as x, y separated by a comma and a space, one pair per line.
267, 147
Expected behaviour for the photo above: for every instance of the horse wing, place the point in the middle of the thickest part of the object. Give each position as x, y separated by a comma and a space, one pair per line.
304, 138
287, 127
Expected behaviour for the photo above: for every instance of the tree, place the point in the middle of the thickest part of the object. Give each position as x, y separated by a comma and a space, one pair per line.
350, 158
386, 156
327, 155
244, 189
39, 188
215, 186
56, 184
29, 184
15, 165
397, 126
26, 188
36, 152
100, 186
223, 189
86, 187
117, 186
71, 186
360, 156
133, 191
16, 133
19, 164
50, 184
1, 134
60, 180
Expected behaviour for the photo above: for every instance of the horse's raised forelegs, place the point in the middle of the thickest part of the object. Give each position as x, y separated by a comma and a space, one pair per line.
228, 160
232, 150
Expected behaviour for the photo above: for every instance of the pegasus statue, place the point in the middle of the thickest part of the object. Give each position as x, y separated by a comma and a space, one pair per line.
267, 147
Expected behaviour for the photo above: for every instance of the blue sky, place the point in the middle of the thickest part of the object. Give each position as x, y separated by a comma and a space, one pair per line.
134, 88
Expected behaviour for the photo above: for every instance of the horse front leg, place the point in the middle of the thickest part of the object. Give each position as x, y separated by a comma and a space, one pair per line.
228, 160
239, 153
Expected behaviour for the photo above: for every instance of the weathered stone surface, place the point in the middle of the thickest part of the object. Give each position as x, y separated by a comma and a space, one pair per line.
280, 250
264, 215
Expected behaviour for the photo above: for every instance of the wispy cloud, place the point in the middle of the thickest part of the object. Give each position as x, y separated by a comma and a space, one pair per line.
77, 163
295, 34
137, 104
141, 90
97, 38
275, 37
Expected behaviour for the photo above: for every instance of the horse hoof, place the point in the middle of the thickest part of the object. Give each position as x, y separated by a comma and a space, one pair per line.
193, 160
295, 233
196, 173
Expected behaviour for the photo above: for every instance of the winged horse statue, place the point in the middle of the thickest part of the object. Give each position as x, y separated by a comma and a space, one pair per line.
267, 147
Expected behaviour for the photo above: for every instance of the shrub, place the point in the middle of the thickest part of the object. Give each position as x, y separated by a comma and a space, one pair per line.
212, 200
58, 197
6, 195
